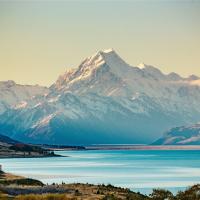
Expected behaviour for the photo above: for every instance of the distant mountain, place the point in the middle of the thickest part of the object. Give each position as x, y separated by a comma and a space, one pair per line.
7, 140
12, 94
105, 100
184, 135
10, 148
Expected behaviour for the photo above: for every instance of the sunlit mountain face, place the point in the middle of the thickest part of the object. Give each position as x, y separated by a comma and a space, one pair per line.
104, 100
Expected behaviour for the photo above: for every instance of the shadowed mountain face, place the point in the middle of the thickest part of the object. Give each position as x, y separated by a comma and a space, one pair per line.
105, 100
7, 140
184, 135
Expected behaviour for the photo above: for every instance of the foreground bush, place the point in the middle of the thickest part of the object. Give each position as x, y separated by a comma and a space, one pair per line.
193, 193
89, 192
160, 194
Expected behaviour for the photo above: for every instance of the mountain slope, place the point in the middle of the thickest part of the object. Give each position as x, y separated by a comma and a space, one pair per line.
7, 140
184, 135
105, 100
12, 94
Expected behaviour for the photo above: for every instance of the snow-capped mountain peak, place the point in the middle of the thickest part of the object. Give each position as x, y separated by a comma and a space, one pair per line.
193, 77
151, 70
106, 73
103, 65
108, 57
103, 100
108, 50
142, 65
174, 76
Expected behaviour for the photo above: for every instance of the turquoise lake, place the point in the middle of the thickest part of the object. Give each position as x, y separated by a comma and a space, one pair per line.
139, 170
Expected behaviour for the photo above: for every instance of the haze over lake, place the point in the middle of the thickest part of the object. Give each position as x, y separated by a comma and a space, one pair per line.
140, 170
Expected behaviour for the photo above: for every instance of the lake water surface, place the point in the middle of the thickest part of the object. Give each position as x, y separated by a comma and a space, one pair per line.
139, 170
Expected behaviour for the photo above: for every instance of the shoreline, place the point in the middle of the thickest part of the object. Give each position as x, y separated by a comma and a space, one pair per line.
50, 156
113, 147
142, 147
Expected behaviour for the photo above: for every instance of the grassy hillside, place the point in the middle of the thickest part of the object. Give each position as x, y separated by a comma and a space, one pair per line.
20, 188
91, 192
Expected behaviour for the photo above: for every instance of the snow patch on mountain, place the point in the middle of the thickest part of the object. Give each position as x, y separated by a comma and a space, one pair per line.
22, 104
184, 135
12, 94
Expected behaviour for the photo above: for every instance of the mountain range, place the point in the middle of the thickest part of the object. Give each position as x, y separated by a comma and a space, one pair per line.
184, 135
104, 100
12, 94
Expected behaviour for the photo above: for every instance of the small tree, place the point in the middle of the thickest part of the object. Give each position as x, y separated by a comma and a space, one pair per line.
160, 194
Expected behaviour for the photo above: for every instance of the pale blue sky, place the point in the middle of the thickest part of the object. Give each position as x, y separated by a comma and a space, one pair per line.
40, 39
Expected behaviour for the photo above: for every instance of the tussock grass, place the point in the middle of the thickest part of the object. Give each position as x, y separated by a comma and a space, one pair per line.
42, 197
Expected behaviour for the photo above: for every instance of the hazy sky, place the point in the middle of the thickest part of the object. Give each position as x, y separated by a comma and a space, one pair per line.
40, 39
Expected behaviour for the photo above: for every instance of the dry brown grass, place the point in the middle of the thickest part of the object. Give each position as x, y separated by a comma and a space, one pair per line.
57, 197
42, 197
80, 192
9, 176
